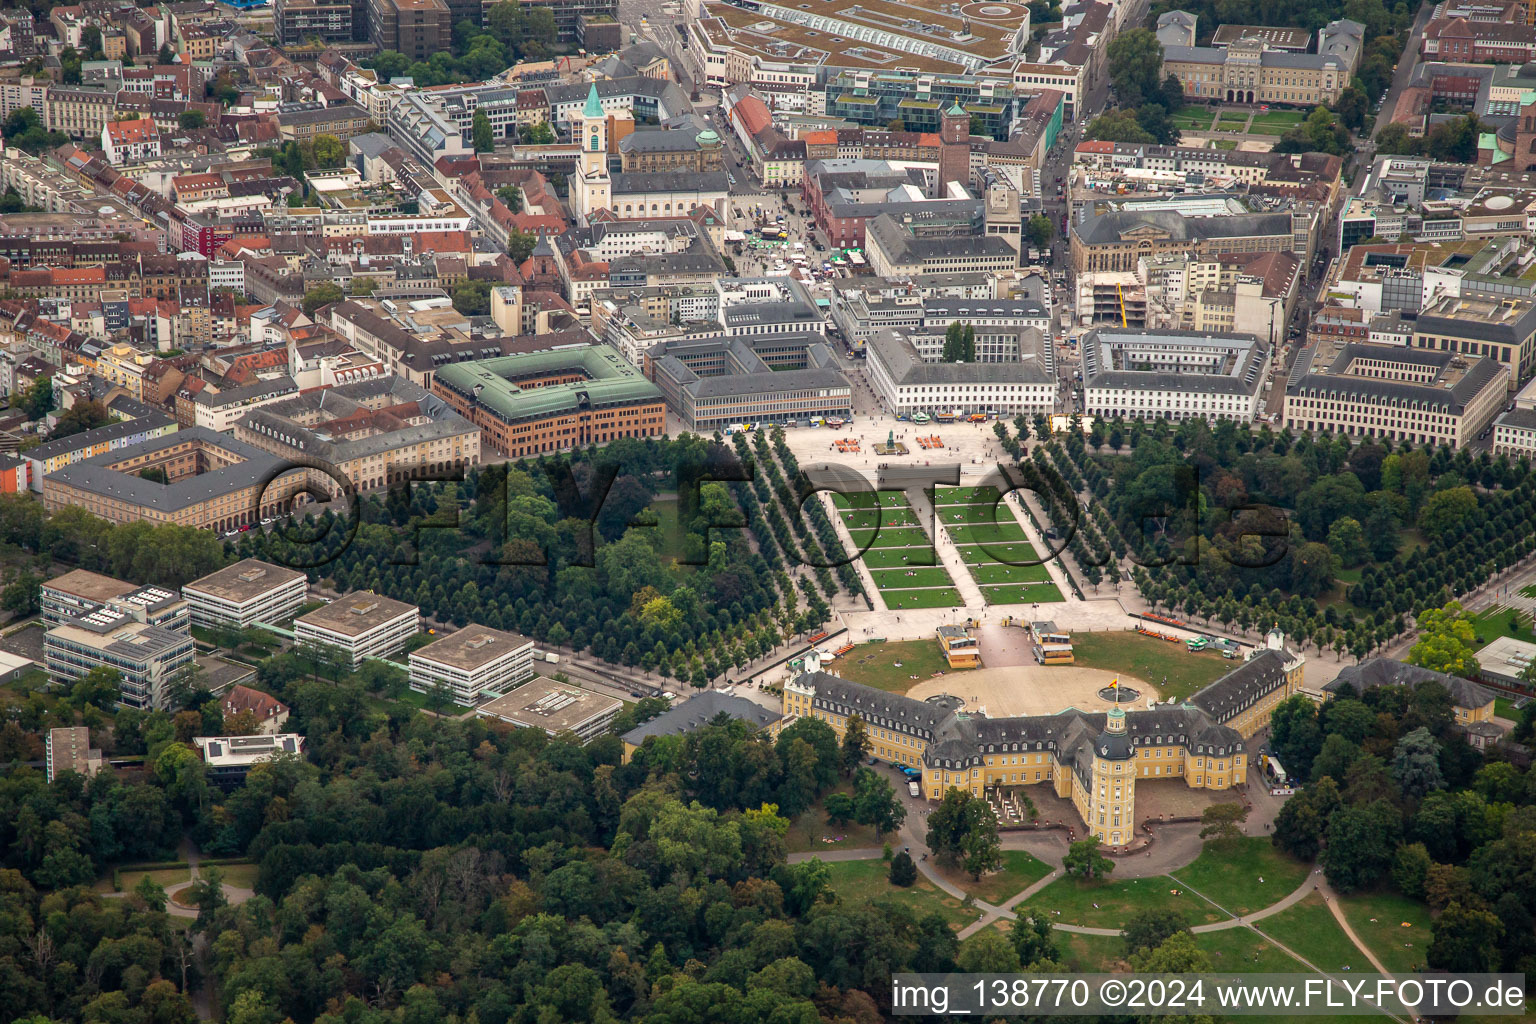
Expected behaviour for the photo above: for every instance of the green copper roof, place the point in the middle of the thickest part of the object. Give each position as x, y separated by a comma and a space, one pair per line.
594, 107
956, 110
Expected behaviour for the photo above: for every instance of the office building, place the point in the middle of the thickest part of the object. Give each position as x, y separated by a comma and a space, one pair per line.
148, 659
231, 758
362, 625
475, 663
556, 708
243, 594
70, 750
1176, 375
906, 383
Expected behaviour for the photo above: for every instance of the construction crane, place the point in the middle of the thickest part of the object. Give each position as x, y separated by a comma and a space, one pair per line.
1121, 296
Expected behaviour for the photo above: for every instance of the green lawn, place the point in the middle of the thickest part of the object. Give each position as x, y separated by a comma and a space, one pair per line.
1309, 930
1246, 951
1103, 904
1269, 129
890, 537
866, 499
810, 831
1150, 659
1227, 144
958, 515
1019, 573
891, 666
1022, 593
905, 579
1494, 622
1017, 553
1086, 954
166, 878
240, 875
860, 881
868, 518
899, 558
994, 534
936, 597
1283, 118
1229, 118
1378, 919
985, 495
1020, 870
1505, 708
1229, 872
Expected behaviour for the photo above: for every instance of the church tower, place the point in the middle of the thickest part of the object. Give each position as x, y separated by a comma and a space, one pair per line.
589, 128
954, 147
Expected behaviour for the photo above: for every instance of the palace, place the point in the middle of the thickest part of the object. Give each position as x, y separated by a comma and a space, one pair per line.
1092, 759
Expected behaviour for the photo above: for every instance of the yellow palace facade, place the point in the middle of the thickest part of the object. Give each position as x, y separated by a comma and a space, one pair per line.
1092, 759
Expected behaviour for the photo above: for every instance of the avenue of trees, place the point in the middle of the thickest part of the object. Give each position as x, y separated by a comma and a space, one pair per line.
1248, 528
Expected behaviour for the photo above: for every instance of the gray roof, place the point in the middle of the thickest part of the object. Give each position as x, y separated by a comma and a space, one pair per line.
93, 474
642, 182
700, 710
1333, 381
899, 356
1253, 679
904, 247
87, 438
281, 385
285, 420
1374, 672
1519, 417
1113, 226
1245, 378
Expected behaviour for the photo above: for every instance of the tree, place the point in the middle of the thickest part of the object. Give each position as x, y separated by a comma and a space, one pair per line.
1033, 940
520, 244
1177, 954
959, 343
855, 744
1135, 61
166, 55
1454, 141
1446, 642
21, 596
37, 400
875, 803
540, 134
80, 417
1416, 763
1361, 844
1083, 858
472, 298
191, 120
1119, 126
1041, 231
1447, 513
322, 294
1466, 940
840, 808
511, 197
484, 135
1223, 821
329, 151
962, 830
1304, 819
903, 872
1346, 539
1410, 867
988, 952
1148, 929
1295, 736
1321, 132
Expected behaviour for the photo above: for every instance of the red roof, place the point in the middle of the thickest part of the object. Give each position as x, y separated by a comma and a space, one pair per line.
752, 114
128, 132
822, 138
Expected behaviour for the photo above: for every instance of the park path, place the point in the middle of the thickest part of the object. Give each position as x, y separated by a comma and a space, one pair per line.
1332, 899
944, 547
853, 550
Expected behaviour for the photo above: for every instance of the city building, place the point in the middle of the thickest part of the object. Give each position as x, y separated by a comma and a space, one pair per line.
475, 663
699, 710
1096, 760
79, 592
231, 758
70, 750
212, 481
1470, 701
555, 707
1176, 375
1259, 67
1420, 395
416, 28
243, 594
51, 456
373, 433
127, 142
1501, 329
148, 659
550, 401
361, 624
714, 380
896, 249
296, 22
906, 383
1117, 238
270, 713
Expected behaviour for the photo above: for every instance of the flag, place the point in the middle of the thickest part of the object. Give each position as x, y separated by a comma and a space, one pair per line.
1115, 684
